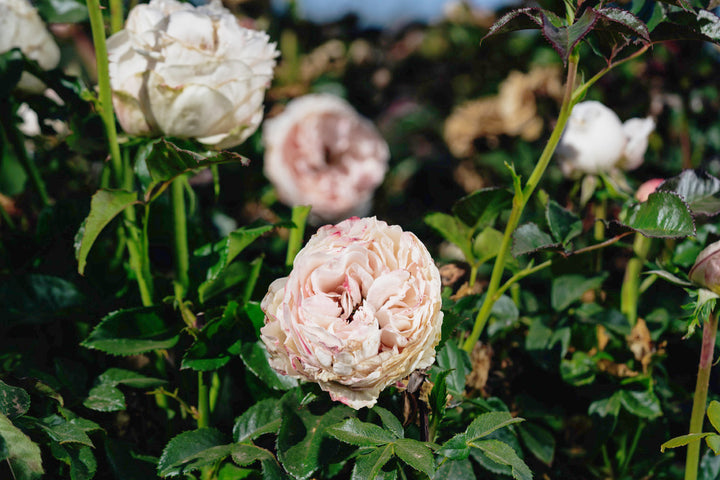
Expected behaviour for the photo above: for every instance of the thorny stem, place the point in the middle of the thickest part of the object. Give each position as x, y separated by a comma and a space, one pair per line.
700, 397
299, 216
519, 201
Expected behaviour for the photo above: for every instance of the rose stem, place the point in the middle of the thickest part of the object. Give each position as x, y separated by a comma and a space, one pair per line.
630, 291
18, 143
297, 233
700, 398
105, 109
203, 402
519, 201
116, 16
182, 262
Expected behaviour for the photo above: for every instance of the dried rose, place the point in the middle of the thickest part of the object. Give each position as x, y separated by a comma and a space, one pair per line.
21, 27
706, 271
189, 72
320, 152
359, 311
595, 141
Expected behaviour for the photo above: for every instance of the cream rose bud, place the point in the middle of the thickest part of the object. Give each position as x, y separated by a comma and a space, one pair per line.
359, 311
706, 271
595, 141
189, 72
21, 27
320, 152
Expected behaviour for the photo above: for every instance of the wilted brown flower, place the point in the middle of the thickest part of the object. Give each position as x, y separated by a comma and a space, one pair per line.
512, 112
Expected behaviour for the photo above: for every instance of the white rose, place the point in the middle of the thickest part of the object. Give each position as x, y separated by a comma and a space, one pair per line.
320, 152
193, 72
21, 27
359, 311
595, 141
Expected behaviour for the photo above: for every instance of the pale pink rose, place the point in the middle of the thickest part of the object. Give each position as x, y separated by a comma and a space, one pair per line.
644, 190
320, 152
191, 72
359, 311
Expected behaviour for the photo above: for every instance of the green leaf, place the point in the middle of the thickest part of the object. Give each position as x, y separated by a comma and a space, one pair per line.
528, 238
165, 161
699, 189
416, 454
702, 25
389, 421
230, 247
663, 215
643, 404
192, 450
452, 357
486, 244
132, 331
452, 230
256, 359
622, 21
300, 440
481, 208
65, 431
539, 441
80, 458
713, 413
14, 401
368, 466
438, 398
564, 38
713, 442
261, 418
451, 469
579, 370
504, 314
487, 423
564, 225
607, 406
23, 455
244, 454
105, 398
517, 19
709, 466
120, 376
503, 453
62, 11
682, 440
360, 434
569, 288
216, 343
104, 206
456, 448
230, 277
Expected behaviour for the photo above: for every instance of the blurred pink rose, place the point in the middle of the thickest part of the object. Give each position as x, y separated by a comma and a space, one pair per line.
359, 311
320, 152
644, 190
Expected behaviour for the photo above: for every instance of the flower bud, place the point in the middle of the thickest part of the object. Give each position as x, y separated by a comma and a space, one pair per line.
706, 271
21, 27
595, 141
644, 190
190, 72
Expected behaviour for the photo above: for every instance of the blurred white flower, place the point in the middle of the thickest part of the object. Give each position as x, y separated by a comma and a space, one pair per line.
320, 152
187, 71
595, 141
21, 27
359, 311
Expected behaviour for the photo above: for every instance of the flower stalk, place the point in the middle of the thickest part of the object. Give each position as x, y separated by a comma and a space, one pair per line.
630, 291
180, 251
522, 196
700, 398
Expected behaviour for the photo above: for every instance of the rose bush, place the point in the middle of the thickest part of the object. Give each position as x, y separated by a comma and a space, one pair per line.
189, 72
595, 141
320, 152
359, 311
21, 27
